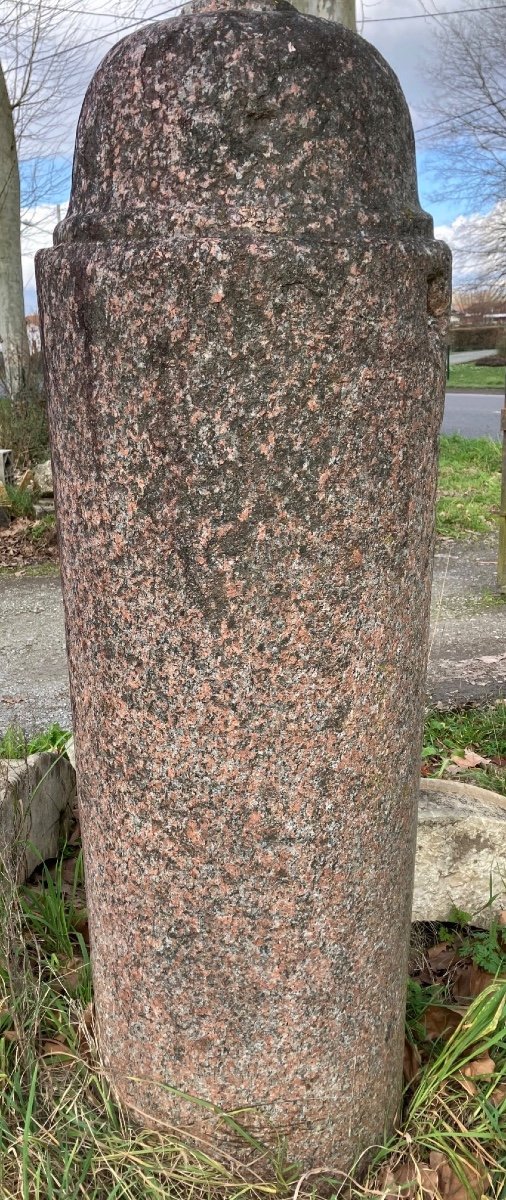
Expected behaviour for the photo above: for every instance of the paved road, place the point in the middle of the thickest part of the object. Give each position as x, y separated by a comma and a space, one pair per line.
461, 356
473, 414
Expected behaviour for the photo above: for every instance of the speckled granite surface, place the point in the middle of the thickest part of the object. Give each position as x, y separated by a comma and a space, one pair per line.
244, 324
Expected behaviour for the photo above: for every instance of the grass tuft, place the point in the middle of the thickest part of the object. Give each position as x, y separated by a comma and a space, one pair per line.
21, 501
469, 485
15, 744
63, 1134
473, 375
481, 730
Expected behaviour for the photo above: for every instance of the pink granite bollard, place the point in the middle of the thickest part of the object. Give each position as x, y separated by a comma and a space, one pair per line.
244, 318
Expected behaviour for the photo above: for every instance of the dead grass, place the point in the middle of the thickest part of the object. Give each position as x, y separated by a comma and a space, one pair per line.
63, 1134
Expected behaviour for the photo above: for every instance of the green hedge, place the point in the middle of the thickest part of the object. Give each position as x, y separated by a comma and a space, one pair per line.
479, 337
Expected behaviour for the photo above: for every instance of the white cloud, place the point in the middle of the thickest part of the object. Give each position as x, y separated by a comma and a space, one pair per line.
37, 233
477, 244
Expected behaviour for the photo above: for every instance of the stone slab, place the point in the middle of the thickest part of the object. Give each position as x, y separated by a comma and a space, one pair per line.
43, 478
461, 851
37, 799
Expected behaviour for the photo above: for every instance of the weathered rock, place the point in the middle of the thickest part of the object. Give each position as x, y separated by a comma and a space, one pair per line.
247, 307
6, 467
43, 478
461, 851
27, 480
37, 798
44, 508
71, 752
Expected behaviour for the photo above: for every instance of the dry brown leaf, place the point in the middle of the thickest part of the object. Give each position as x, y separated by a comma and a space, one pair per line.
69, 869
400, 1181
405, 1178
479, 1066
442, 956
469, 980
450, 1185
56, 1046
501, 920
498, 1096
411, 1062
87, 1016
441, 1021
69, 976
408, 1180
74, 838
386, 1181
468, 1085
81, 926
469, 759
429, 1180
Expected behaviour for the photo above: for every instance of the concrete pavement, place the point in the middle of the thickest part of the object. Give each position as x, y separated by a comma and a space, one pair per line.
463, 356
467, 658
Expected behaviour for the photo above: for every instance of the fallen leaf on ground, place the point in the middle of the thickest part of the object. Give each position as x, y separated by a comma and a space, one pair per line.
468, 1085
18, 549
441, 1021
69, 975
501, 920
74, 838
81, 926
498, 1096
479, 1066
469, 759
69, 869
450, 1185
406, 1179
411, 1061
439, 960
442, 956
469, 980
56, 1046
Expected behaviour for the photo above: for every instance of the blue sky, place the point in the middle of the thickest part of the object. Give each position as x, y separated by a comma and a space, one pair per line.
405, 43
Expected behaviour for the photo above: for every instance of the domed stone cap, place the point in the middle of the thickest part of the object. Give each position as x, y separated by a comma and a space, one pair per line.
245, 116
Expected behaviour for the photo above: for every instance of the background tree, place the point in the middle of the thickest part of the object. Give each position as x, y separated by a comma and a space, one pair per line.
45, 64
475, 304
13, 336
466, 127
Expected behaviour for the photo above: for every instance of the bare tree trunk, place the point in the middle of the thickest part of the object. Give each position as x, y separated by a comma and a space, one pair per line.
342, 11
13, 334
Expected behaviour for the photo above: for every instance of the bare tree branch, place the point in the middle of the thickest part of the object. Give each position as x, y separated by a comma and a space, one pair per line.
467, 144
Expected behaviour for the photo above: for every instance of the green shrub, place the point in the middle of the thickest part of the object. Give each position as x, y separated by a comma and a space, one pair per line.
23, 420
474, 337
21, 501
